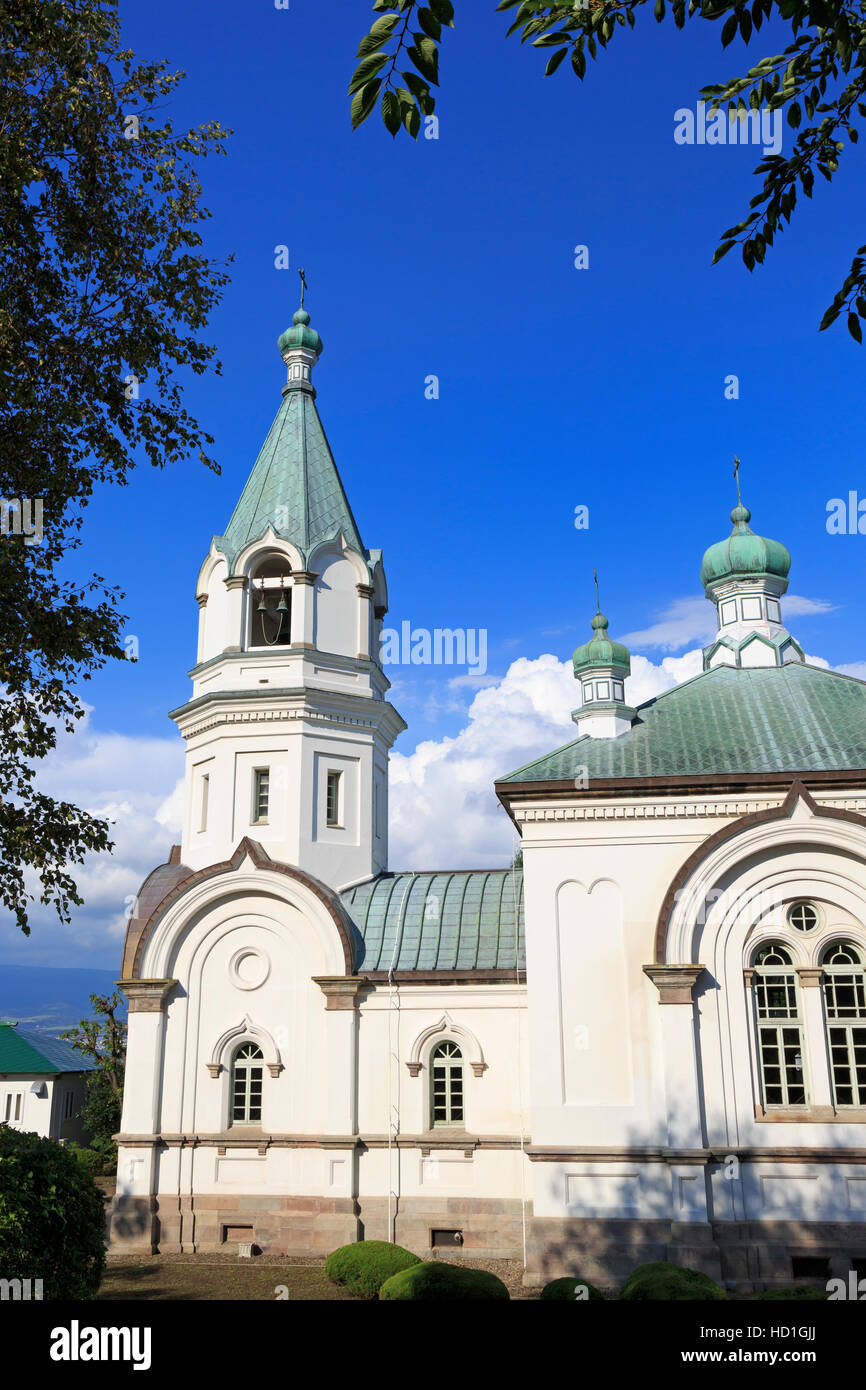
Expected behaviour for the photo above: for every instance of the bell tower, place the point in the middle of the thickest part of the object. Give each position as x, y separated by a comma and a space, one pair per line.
288, 728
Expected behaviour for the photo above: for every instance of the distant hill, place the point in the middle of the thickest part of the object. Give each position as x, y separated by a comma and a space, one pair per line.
39, 996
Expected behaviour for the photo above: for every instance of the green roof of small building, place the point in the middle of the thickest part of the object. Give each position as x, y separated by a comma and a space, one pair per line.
458, 920
601, 650
24, 1052
294, 488
793, 718
744, 553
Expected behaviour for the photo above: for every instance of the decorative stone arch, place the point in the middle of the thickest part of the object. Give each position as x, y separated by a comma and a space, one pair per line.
311, 894
268, 544
442, 1031
212, 562
338, 547
245, 1031
778, 827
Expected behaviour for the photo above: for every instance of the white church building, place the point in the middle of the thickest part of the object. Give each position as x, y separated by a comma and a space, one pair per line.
649, 1042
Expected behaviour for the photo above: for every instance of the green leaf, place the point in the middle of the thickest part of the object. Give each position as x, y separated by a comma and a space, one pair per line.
444, 11
722, 250
366, 70
748, 255
420, 91
554, 62
429, 23
794, 114
659, 10
425, 55
391, 111
379, 34
854, 328
364, 101
729, 29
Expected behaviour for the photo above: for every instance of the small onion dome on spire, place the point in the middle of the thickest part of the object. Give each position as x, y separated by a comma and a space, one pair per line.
744, 553
601, 650
300, 335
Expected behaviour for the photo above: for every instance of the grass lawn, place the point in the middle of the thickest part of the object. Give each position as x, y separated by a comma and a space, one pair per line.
191, 1278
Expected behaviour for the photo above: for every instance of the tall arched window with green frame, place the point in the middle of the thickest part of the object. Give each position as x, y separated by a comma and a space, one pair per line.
779, 1027
446, 1085
843, 980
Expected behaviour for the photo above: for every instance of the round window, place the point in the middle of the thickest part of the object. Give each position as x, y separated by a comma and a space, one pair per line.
804, 916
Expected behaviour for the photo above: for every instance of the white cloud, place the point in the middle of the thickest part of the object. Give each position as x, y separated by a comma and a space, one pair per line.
853, 668
693, 619
444, 813
128, 781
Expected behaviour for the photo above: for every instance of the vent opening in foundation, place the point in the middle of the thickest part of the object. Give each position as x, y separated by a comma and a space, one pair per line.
233, 1234
440, 1238
810, 1266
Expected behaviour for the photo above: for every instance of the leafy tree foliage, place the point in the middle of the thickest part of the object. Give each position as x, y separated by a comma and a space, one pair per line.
819, 80
104, 292
103, 1040
52, 1217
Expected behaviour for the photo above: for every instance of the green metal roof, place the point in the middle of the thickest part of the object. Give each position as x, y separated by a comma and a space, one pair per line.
461, 920
601, 650
744, 552
294, 471
23, 1051
793, 718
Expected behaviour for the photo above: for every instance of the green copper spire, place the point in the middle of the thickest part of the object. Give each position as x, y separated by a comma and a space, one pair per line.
744, 552
600, 650
295, 487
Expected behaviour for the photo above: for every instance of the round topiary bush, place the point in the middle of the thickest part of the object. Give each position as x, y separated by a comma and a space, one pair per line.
438, 1280
570, 1289
363, 1267
52, 1217
663, 1282
801, 1292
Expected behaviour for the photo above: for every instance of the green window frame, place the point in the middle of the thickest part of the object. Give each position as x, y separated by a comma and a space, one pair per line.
843, 984
247, 1081
261, 795
447, 1101
779, 1029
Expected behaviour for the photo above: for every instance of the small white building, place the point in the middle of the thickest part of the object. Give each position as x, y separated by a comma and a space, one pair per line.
672, 1067
43, 1083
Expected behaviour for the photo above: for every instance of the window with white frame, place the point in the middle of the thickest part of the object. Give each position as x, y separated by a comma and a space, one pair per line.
446, 1085
261, 795
247, 1075
779, 1027
205, 792
332, 808
843, 981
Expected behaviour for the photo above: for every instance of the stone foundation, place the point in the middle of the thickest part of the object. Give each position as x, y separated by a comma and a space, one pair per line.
744, 1256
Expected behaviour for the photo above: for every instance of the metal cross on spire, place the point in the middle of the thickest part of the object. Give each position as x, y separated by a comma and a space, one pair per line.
597, 603
303, 274
737, 480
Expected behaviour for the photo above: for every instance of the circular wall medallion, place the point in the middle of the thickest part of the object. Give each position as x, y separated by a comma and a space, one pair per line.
249, 968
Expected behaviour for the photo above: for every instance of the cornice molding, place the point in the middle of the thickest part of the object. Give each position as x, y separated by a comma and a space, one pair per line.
669, 810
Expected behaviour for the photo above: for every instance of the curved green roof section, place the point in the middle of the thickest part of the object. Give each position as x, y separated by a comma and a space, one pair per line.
793, 718
601, 650
468, 919
300, 335
294, 487
745, 553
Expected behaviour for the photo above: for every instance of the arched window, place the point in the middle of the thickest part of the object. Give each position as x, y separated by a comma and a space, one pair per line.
247, 1071
779, 1027
844, 985
446, 1070
271, 603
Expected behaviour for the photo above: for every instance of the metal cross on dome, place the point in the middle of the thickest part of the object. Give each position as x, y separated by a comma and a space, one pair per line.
737, 479
303, 274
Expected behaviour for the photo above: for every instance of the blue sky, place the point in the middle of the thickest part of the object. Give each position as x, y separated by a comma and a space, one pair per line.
558, 387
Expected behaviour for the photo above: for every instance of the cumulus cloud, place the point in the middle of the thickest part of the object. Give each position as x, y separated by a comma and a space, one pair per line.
128, 781
444, 813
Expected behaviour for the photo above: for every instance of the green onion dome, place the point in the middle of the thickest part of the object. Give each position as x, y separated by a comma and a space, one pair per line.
601, 650
300, 335
744, 553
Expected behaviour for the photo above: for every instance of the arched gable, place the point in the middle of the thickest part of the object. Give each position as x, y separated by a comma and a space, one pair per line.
781, 827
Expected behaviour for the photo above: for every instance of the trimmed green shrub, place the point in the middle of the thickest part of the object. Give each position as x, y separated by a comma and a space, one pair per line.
803, 1292
660, 1281
363, 1267
89, 1159
565, 1290
437, 1279
52, 1217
